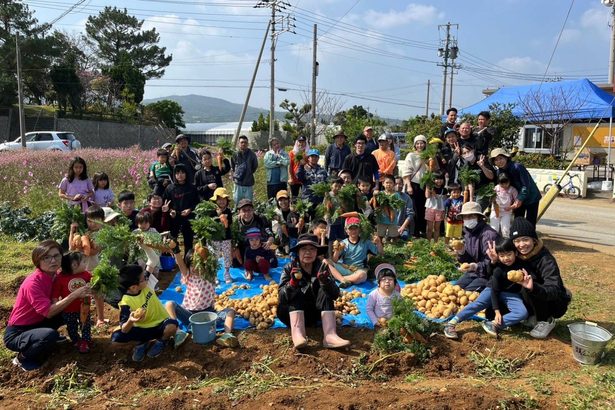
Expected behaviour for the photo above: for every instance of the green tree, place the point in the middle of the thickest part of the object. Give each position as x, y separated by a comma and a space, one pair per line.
353, 120
421, 124
262, 124
167, 112
127, 53
295, 124
65, 81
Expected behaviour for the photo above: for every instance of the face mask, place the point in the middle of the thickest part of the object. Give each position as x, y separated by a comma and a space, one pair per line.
470, 223
469, 157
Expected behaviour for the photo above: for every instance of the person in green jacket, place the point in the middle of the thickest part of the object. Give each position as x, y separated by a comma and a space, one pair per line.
276, 163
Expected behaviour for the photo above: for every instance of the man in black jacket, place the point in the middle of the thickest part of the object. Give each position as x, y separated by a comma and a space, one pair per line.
362, 165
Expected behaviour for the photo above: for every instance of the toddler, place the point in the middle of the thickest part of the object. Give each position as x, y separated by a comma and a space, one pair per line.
380, 300
103, 195
452, 207
501, 292
387, 227
144, 225
505, 196
224, 247
434, 207
257, 258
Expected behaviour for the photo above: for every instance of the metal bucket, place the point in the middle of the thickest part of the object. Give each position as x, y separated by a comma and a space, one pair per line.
203, 326
588, 342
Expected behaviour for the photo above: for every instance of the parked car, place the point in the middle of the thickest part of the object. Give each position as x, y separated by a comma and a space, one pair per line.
45, 140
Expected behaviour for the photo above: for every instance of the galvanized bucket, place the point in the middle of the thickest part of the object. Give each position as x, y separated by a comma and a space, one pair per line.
588, 342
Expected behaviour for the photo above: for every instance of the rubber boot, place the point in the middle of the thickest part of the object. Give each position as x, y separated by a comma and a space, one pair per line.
330, 339
297, 328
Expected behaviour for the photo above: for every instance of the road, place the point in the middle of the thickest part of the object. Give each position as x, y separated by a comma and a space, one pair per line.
588, 221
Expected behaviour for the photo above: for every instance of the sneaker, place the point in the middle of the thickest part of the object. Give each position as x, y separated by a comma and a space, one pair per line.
156, 349
227, 340
450, 332
490, 328
62, 339
138, 353
84, 346
530, 322
542, 329
227, 277
25, 364
179, 338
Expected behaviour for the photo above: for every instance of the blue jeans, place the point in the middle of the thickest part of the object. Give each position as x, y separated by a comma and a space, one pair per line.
240, 192
183, 314
513, 301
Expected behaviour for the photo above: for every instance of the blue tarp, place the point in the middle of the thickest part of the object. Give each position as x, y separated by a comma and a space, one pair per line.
582, 98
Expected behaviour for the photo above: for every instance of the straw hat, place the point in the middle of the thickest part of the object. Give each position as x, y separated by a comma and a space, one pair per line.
470, 208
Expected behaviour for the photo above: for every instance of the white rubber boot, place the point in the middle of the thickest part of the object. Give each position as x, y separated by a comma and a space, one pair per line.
297, 328
331, 340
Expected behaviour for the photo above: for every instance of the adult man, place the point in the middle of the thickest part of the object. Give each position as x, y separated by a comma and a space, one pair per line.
370, 144
465, 135
336, 153
276, 163
243, 164
362, 165
385, 157
184, 154
451, 121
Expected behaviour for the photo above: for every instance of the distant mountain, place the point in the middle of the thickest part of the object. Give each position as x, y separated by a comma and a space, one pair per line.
198, 108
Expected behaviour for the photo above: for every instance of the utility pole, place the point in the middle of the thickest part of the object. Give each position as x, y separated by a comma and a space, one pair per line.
314, 75
427, 102
611, 5
245, 104
276, 6
22, 119
447, 52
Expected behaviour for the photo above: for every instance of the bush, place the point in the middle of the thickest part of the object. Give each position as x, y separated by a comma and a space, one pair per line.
542, 161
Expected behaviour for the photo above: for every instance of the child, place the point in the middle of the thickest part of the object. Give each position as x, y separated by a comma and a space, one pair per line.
452, 207
103, 195
501, 214
142, 316
183, 198
144, 224
160, 171
319, 228
126, 201
199, 297
346, 176
380, 300
332, 204
501, 292
434, 207
209, 177
224, 247
77, 314
350, 255
366, 188
159, 210
257, 258
405, 217
285, 223
76, 187
387, 227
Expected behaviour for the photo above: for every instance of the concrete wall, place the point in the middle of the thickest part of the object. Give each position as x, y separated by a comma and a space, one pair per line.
543, 177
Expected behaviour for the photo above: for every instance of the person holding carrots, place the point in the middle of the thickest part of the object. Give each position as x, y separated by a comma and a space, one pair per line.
209, 177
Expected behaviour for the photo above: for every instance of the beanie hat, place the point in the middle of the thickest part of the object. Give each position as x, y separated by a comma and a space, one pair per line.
522, 227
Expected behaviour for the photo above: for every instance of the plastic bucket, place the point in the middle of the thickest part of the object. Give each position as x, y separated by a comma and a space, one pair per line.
167, 263
203, 326
588, 342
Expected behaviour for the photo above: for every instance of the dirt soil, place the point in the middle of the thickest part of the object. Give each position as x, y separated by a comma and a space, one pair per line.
265, 372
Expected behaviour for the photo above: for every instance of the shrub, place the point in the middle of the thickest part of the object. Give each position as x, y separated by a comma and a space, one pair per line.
542, 161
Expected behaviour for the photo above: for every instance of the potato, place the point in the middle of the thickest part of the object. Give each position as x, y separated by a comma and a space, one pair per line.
139, 313
421, 303
441, 279
473, 297
432, 295
428, 305
515, 276
447, 312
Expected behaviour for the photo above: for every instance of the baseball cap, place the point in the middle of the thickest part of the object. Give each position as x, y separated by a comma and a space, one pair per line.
352, 221
244, 202
382, 137
281, 194
313, 151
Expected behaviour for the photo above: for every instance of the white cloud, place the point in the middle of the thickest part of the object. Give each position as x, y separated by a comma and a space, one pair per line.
570, 35
595, 18
521, 64
414, 13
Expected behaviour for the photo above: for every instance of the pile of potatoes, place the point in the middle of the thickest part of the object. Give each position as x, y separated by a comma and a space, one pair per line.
344, 305
260, 310
437, 298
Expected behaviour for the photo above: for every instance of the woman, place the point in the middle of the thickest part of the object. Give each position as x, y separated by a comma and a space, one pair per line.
32, 326
307, 293
477, 236
276, 164
529, 196
474, 162
545, 293
301, 148
412, 170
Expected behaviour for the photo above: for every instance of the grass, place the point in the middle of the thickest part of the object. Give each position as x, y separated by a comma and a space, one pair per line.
16, 262
490, 366
70, 386
598, 395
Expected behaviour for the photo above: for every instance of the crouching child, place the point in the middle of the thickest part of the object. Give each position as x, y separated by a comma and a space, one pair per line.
199, 297
143, 318
380, 300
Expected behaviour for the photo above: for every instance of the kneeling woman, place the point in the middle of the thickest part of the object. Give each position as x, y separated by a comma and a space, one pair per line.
307, 293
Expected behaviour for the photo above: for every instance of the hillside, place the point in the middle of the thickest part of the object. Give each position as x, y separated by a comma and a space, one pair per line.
199, 108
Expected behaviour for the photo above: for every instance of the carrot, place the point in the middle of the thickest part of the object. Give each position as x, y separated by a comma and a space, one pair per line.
86, 244
84, 310
432, 164
466, 194
352, 214
224, 220
220, 159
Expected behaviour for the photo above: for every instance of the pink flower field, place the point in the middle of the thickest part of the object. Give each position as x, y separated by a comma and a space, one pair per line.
31, 178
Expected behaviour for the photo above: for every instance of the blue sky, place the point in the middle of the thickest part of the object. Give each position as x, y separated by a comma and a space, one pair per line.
378, 54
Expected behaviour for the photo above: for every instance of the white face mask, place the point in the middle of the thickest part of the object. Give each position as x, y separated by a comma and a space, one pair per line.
470, 223
469, 157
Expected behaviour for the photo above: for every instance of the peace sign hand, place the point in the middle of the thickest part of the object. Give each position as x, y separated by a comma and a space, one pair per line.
481, 161
165, 207
491, 253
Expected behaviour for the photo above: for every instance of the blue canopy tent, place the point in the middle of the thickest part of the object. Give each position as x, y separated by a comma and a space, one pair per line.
576, 100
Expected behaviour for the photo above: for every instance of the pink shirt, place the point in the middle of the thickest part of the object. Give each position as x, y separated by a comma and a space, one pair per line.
33, 300
200, 293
